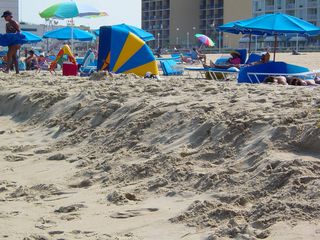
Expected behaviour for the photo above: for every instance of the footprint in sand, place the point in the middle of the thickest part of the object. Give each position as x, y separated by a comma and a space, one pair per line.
42, 151
133, 213
14, 158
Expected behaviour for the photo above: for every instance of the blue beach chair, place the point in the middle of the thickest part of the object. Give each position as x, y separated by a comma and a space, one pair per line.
257, 73
170, 67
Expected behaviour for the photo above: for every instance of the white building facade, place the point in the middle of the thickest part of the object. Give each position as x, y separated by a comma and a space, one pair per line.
308, 10
11, 5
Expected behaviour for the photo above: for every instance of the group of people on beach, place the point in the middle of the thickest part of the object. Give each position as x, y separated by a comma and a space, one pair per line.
235, 62
32, 61
291, 80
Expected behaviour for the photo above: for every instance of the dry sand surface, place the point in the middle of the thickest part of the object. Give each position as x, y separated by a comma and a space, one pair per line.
177, 158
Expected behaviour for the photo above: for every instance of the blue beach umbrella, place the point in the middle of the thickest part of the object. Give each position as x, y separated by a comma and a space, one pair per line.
31, 38
68, 33
144, 35
231, 27
279, 23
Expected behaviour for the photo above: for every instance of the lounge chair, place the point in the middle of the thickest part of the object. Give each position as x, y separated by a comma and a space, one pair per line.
214, 73
257, 73
174, 58
170, 67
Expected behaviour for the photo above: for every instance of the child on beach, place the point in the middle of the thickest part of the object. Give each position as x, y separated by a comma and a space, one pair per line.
31, 61
42, 63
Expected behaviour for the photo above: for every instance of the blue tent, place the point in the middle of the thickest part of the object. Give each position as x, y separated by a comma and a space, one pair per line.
144, 35
69, 33
31, 38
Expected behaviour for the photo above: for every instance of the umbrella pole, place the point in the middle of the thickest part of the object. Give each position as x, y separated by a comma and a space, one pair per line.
297, 43
72, 35
249, 50
275, 46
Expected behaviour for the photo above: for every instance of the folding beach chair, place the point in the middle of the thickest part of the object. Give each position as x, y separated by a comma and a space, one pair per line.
177, 59
214, 73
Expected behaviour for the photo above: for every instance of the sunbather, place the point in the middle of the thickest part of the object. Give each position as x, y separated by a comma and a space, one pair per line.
234, 61
264, 59
285, 80
185, 59
281, 80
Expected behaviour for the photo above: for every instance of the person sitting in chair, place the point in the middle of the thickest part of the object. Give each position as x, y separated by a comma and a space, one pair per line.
31, 61
234, 61
42, 63
197, 55
265, 57
158, 52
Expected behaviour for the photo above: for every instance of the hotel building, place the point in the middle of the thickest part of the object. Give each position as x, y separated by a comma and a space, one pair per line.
174, 22
308, 10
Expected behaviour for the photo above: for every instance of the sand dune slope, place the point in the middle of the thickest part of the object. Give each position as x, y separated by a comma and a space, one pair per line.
130, 158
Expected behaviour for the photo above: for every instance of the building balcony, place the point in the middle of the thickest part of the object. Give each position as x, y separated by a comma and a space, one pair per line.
269, 8
312, 17
290, 6
312, 4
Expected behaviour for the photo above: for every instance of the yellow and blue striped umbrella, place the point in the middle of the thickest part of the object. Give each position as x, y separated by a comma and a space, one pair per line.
121, 51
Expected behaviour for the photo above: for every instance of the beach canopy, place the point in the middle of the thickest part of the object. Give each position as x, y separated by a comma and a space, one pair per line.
121, 51
231, 27
72, 9
278, 23
68, 33
31, 38
144, 35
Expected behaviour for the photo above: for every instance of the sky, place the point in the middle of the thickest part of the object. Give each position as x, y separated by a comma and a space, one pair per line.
119, 11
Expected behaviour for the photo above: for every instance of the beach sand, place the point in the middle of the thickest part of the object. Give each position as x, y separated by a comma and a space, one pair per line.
177, 158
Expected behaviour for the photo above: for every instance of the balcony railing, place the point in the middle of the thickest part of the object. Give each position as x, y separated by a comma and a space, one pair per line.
269, 8
312, 4
290, 6
312, 17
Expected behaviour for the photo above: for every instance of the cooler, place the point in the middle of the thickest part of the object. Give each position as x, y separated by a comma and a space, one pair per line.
69, 69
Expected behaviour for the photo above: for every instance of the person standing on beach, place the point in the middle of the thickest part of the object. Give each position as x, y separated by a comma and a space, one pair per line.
11, 27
